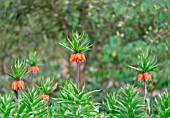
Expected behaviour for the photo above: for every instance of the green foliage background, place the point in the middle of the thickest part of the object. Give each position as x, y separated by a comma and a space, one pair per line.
120, 29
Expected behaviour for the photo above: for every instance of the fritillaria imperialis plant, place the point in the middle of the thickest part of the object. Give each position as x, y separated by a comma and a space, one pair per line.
34, 64
77, 46
146, 64
46, 89
18, 71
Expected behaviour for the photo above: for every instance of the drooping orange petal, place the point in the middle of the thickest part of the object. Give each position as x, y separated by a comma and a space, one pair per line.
72, 57
83, 58
140, 77
14, 86
37, 70
147, 76
20, 85
78, 56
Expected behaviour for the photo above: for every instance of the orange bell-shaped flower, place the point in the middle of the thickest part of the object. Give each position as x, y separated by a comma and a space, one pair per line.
34, 69
144, 76
147, 76
140, 77
20, 85
14, 85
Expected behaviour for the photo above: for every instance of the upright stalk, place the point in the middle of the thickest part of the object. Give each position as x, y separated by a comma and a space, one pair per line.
78, 74
145, 92
18, 92
32, 79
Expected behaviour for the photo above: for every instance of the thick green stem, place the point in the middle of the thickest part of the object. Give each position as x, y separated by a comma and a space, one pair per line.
18, 92
32, 81
145, 92
78, 74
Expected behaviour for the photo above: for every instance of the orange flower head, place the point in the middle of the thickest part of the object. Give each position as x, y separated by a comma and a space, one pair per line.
77, 58
34, 69
140, 77
46, 98
147, 76
14, 86
83, 57
144, 76
20, 85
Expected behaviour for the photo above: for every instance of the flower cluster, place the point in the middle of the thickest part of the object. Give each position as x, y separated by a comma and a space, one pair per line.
144, 76
34, 69
77, 58
17, 85
46, 98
